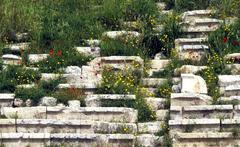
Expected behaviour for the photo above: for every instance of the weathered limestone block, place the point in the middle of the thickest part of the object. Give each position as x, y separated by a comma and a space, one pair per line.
191, 15
34, 58
229, 84
117, 34
86, 140
93, 42
74, 104
149, 127
234, 56
113, 128
18, 46
89, 51
48, 101
6, 99
205, 139
162, 114
236, 112
148, 140
95, 100
193, 84
227, 80
7, 125
189, 99
155, 103
188, 69
157, 65
11, 59
208, 111
235, 68
49, 76
121, 62
175, 112
194, 125
73, 70
53, 126
228, 125
232, 90
153, 82
108, 114
25, 139
24, 112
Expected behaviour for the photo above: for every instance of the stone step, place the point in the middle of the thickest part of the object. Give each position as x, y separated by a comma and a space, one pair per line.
155, 103
161, 5
189, 99
150, 127
6, 99
191, 83
229, 84
96, 99
34, 58
157, 65
18, 46
64, 126
153, 82
194, 125
191, 15
89, 51
108, 114
117, 62
116, 34
188, 69
190, 41
199, 29
73, 139
216, 139
93, 42
209, 22
11, 59
208, 111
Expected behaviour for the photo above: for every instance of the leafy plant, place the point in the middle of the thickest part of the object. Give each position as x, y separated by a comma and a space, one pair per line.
34, 94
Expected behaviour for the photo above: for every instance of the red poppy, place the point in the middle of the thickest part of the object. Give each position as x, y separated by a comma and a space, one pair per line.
51, 52
225, 39
235, 43
59, 53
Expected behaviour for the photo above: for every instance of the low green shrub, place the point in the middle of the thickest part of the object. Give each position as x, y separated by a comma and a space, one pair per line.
126, 82
225, 40
15, 75
123, 46
64, 95
50, 86
34, 94
187, 5
59, 59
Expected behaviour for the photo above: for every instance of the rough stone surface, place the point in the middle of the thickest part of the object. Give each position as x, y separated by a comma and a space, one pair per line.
189, 99
73, 70
89, 51
74, 104
116, 34
155, 103
148, 140
48, 101
34, 58
188, 69
149, 127
193, 84
18, 102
